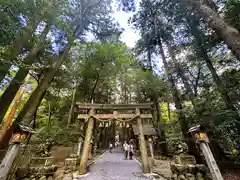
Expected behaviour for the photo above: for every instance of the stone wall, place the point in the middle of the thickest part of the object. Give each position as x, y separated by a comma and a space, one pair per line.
185, 168
188, 172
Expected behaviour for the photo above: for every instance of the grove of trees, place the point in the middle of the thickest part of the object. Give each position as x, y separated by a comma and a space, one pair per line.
186, 63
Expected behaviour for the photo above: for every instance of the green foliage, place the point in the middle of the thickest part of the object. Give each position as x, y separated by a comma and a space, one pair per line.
232, 12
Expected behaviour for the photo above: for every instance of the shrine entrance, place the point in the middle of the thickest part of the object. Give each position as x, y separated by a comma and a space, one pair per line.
126, 114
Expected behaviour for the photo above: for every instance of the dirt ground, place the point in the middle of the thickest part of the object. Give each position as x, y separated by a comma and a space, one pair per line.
60, 153
161, 167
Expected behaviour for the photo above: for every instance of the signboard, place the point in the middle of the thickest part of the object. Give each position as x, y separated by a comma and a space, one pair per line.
201, 136
18, 137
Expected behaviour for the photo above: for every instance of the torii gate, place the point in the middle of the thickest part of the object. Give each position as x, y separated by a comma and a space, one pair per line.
129, 113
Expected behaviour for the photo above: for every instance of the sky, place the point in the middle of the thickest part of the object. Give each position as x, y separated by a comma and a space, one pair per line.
129, 36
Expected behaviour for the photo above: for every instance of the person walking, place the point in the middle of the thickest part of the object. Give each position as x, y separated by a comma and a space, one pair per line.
125, 149
110, 147
130, 149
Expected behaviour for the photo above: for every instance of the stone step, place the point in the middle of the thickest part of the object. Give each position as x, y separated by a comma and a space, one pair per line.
47, 161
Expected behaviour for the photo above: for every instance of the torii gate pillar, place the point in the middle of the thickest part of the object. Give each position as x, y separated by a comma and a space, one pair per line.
142, 144
87, 144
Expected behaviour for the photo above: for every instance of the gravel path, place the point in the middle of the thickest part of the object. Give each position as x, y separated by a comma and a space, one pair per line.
112, 166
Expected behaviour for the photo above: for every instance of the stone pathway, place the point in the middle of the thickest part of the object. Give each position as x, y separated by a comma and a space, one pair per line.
112, 166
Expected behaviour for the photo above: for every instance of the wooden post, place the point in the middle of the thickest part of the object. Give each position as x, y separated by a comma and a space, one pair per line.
101, 137
142, 144
105, 135
216, 174
87, 144
122, 132
113, 132
200, 136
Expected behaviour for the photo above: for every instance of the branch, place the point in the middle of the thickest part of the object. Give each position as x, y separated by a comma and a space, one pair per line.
97, 80
91, 6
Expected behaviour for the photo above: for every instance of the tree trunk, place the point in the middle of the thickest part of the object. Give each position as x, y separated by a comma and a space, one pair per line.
176, 98
161, 128
28, 110
21, 40
158, 119
203, 115
169, 111
226, 98
6, 130
187, 86
4, 69
70, 115
49, 114
203, 53
220, 87
229, 34
18, 80
19, 43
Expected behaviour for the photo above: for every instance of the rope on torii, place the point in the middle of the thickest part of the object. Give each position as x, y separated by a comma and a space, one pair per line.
127, 120
119, 120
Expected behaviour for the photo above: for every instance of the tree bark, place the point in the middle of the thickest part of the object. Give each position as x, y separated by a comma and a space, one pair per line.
229, 34
18, 80
29, 108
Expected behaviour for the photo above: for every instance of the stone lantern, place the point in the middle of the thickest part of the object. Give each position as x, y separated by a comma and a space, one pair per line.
19, 135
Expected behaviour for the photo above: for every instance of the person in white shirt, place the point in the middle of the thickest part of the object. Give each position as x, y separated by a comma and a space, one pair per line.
125, 149
110, 147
